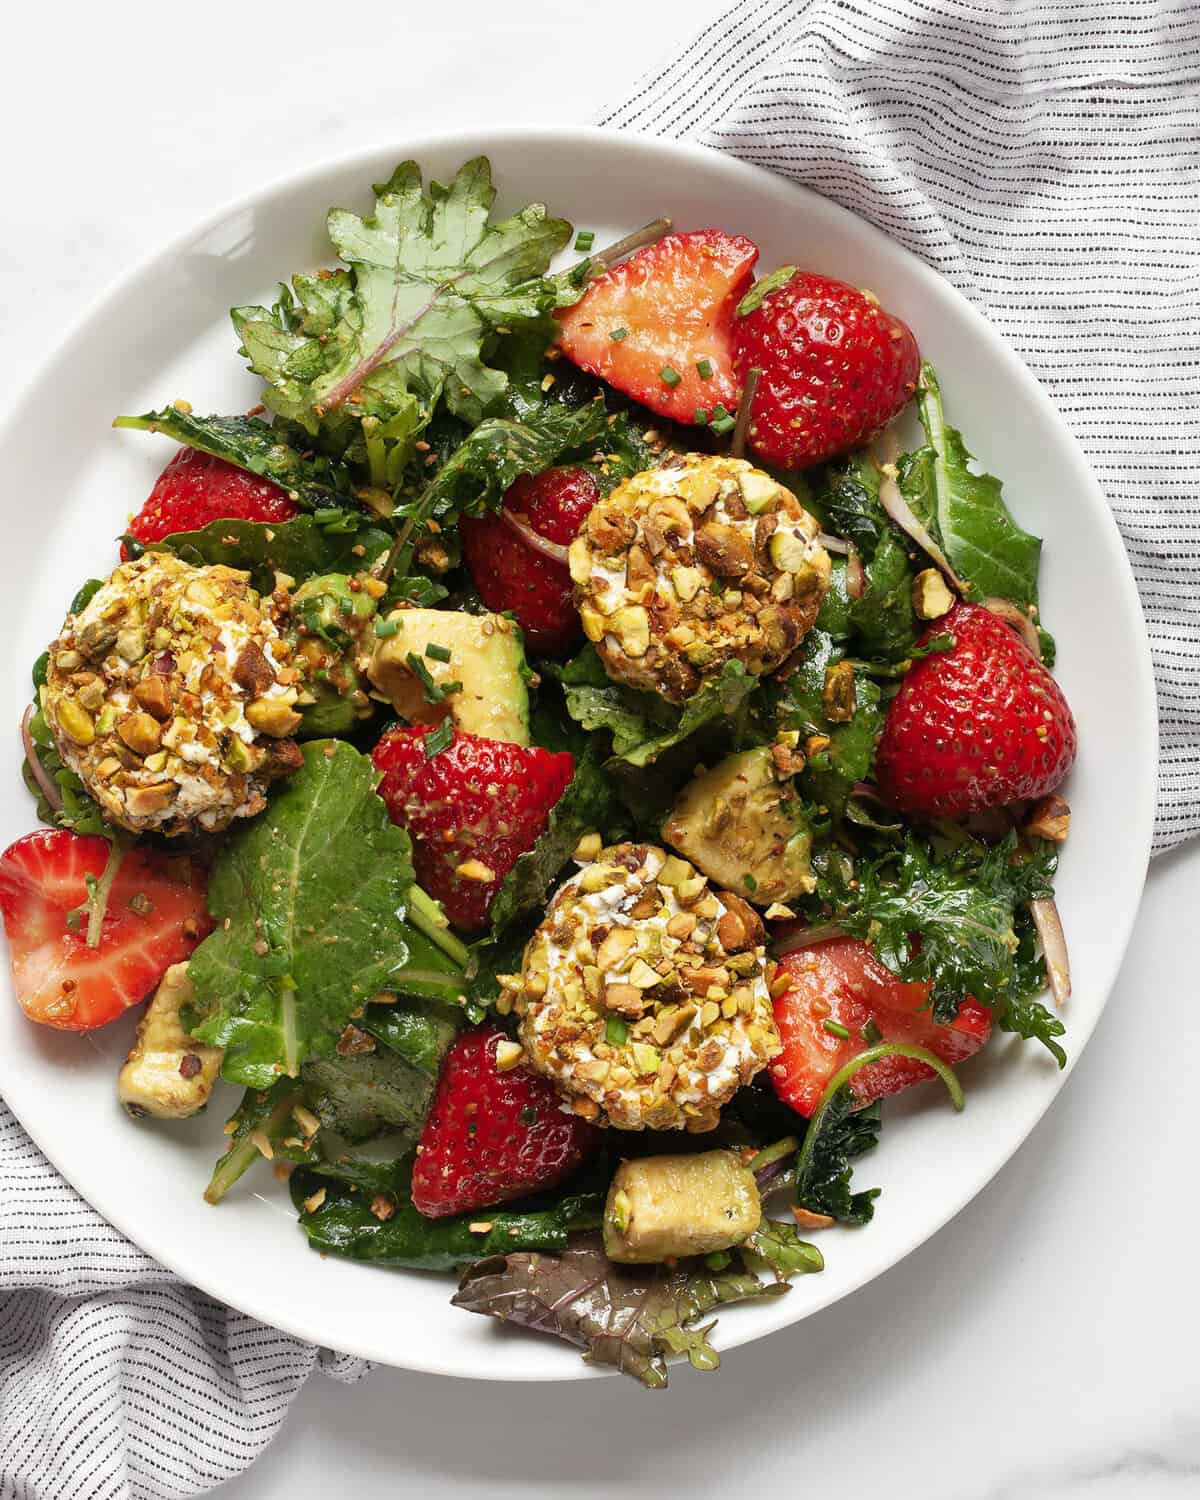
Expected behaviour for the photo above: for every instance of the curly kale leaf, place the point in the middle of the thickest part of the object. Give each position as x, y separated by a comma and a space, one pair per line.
311, 480
631, 1317
950, 918
846, 1133
310, 901
363, 1211
430, 282
642, 726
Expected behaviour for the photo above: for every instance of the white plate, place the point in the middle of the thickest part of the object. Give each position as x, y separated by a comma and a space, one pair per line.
70, 483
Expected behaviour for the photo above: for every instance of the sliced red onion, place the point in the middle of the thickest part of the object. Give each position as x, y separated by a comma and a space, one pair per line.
806, 937
836, 544
47, 787
555, 551
900, 511
737, 444
1005, 610
1054, 947
856, 574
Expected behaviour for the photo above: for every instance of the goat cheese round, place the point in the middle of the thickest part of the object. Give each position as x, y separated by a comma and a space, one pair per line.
171, 695
700, 562
644, 993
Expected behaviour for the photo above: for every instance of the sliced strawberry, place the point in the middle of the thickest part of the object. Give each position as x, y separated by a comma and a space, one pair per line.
472, 809
979, 726
196, 488
661, 314
493, 1136
836, 367
155, 917
842, 982
510, 572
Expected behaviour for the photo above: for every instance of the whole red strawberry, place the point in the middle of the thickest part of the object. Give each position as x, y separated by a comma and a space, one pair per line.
979, 726
509, 570
493, 1136
196, 488
472, 809
657, 325
836, 367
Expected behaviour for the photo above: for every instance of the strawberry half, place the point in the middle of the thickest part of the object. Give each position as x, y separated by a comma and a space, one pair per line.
493, 1136
196, 488
472, 809
649, 323
836, 367
979, 726
512, 574
155, 917
841, 981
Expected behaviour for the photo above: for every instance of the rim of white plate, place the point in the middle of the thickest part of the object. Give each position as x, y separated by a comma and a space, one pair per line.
1137, 813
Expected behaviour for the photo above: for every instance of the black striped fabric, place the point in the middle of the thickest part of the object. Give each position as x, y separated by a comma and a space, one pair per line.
1045, 158
117, 1382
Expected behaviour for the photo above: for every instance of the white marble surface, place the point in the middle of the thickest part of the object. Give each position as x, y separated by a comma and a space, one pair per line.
1043, 1345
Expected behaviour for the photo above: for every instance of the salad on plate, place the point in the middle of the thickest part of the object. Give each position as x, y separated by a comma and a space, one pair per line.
564, 756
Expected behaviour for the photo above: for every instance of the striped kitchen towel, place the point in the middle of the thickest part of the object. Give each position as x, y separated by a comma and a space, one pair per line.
1045, 159
117, 1381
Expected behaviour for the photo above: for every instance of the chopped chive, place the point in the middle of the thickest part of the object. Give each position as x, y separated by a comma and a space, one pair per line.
723, 420
871, 1034
615, 1031
442, 736
436, 652
384, 628
585, 239
704, 366
669, 375
749, 882
619, 334
835, 1028
434, 691
700, 416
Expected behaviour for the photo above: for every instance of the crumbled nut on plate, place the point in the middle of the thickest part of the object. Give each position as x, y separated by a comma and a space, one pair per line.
702, 561
644, 993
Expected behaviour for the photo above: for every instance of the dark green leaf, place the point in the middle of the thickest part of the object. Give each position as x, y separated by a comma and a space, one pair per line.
343, 1224
846, 1133
586, 806
265, 1119
313, 482
302, 548
362, 1096
981, 539
419, 1031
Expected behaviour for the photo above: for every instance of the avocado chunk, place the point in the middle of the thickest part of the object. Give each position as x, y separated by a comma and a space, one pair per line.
744, 825
486, 657
690, 1204
167, 1074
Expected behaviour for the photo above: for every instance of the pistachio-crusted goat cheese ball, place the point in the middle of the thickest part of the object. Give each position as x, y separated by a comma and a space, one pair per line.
171, 694
644, 994
702, 561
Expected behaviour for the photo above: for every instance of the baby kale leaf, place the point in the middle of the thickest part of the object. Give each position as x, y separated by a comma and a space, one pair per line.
310, 901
